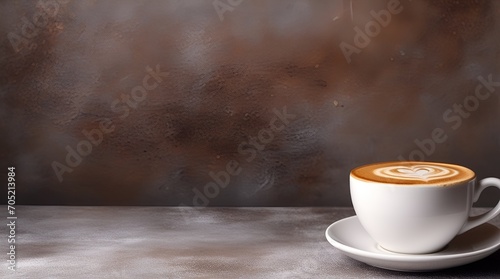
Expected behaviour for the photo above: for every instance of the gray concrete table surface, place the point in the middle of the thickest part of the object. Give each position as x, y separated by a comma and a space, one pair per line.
183, 242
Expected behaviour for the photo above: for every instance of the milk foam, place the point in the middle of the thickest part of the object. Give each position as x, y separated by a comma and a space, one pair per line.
413, 173
422, 172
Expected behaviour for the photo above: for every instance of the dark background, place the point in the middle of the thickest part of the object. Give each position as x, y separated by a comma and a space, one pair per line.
65, 67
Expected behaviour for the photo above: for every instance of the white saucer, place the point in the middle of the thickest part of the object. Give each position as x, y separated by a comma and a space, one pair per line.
350, 237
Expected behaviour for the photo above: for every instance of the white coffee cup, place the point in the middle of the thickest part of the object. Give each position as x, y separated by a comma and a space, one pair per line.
417, 207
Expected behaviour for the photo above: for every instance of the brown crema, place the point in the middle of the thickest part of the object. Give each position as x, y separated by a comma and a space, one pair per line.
414, 173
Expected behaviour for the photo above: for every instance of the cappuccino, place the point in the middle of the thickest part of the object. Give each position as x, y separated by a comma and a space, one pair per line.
413, 173
417, 207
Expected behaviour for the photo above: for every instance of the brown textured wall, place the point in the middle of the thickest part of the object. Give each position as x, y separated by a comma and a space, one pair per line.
157, 95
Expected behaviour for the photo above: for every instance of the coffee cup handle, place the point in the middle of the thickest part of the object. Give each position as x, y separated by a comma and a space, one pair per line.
475, 221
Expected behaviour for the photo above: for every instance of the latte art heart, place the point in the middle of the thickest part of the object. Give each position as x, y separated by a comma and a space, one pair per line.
413, 173
420, 172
